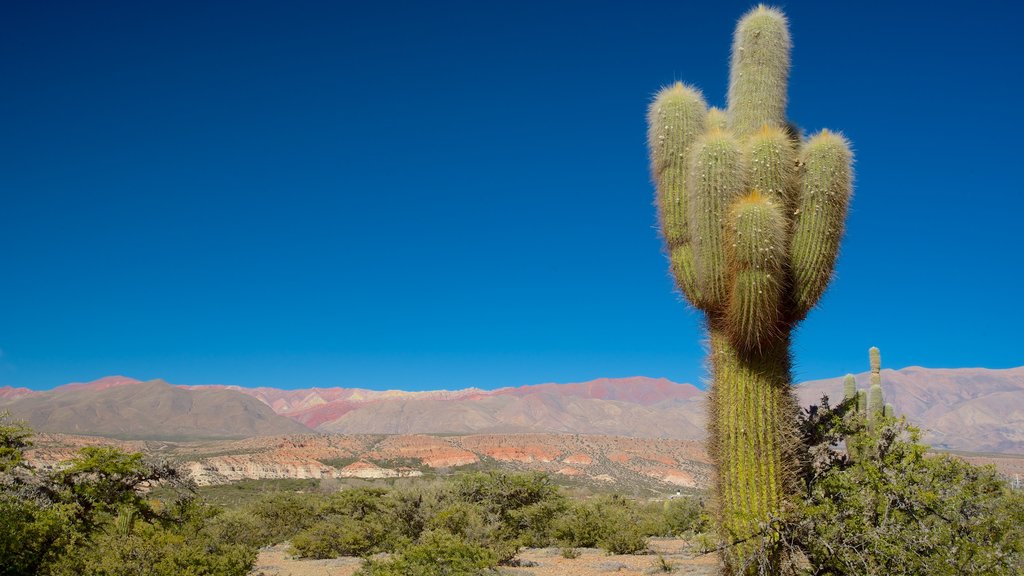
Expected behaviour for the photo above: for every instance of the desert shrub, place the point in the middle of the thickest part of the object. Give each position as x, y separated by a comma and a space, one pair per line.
34, 535
412, 508
613, 524
570, 553
339, 536
270, 519
152, 550
684, 515
582, 526
506, 494
472, 524
622, 533
61, 523
895, 509
358, 503
437, 554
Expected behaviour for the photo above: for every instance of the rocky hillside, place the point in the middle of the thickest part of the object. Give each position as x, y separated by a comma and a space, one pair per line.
633, 464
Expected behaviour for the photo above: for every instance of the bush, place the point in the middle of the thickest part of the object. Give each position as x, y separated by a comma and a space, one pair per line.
613, 524
270, 519
895, 509
151, 550
62, 523
685, 515
338, 536
438, 554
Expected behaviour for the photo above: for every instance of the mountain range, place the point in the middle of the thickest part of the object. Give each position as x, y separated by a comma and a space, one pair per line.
969, 409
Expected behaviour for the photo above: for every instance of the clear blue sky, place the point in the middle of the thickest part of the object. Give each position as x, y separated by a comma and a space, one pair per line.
451, 194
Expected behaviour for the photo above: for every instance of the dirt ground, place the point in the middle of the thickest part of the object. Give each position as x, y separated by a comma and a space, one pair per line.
275, 561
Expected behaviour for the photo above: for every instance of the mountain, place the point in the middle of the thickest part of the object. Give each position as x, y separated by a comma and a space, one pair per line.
973, 409
128, 408
639, 406
968, 409
10, 393
97, 385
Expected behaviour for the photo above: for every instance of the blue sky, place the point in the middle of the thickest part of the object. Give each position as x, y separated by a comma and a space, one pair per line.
451, 194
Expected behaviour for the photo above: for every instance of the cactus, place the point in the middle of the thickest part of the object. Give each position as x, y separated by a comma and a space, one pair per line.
849, 387
871, 406
751, 217
124, 523
876, 403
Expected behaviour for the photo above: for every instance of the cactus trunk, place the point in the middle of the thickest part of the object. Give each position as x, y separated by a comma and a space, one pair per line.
751, 413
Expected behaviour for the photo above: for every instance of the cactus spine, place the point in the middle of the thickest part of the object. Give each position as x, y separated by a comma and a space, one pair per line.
751, 218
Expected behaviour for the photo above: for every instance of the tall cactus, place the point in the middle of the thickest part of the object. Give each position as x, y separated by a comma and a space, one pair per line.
751, 217
876, 404
871, 408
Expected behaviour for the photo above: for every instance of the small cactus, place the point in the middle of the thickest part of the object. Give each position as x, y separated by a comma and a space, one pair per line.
849, 387
124, 523
871, 402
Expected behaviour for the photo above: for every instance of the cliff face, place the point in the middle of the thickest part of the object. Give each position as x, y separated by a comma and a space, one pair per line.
631, 463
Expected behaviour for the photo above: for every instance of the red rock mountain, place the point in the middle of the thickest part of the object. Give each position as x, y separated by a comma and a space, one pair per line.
127, 408
961, 409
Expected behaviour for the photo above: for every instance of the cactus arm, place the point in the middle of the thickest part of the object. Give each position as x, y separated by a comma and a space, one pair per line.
875, 359
717, 118
825, 190
876, 402
756, 248
717, 178
773, 161
760, 71
849, 387
675, 119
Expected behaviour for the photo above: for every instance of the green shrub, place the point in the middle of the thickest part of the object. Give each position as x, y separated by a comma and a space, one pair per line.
613, 524
338, 536
438, 554
270, 519
358, 503
683, 515
622, 533
895, 509
155, 551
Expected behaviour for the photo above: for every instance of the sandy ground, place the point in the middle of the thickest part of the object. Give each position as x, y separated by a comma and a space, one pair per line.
275, 561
